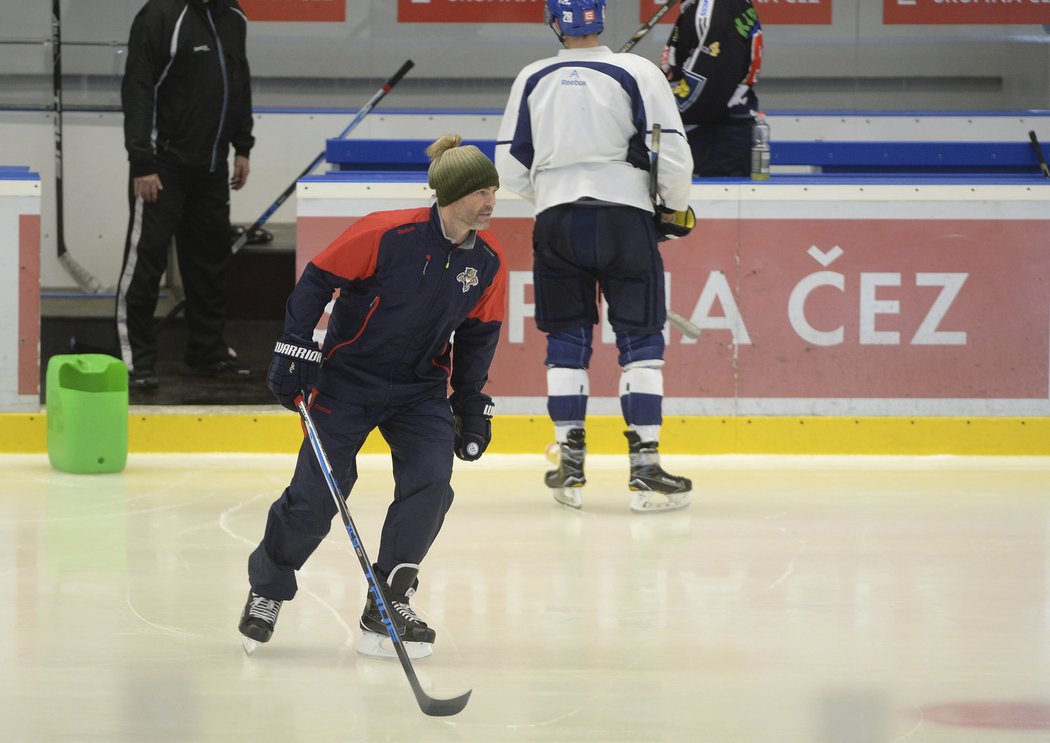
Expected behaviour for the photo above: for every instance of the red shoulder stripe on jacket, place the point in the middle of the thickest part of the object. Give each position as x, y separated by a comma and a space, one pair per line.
353, 254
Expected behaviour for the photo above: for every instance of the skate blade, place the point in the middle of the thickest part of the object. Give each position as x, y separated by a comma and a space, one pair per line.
376, 645
650, 502
249, 644
571, 497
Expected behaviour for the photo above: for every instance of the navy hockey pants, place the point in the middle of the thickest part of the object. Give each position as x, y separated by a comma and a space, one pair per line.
421, 439
583, 246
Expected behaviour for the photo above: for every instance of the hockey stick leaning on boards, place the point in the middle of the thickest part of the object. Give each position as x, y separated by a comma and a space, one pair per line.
243, 238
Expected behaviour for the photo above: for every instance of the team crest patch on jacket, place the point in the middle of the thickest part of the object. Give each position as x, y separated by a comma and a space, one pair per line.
687, 90
468, 278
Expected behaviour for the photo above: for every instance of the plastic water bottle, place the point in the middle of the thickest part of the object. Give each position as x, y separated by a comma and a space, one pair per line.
760, 149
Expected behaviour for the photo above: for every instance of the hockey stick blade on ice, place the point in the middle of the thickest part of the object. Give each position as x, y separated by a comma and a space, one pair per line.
647, 26
429, 705
243, 238
1039, 153
376, 97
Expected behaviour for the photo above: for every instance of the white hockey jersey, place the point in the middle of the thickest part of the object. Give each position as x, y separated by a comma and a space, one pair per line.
579, 125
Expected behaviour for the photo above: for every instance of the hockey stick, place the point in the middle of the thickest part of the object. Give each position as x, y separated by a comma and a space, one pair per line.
378, 96
687, 327
429, 705
647, 26
243, 238
1039, 153
81, 275
684, 325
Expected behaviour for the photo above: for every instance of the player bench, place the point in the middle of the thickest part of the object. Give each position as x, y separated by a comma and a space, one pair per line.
858, 158
821, 157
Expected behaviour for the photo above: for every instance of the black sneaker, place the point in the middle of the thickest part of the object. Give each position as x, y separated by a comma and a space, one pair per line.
257, 620
648, 478
416, 637
229, 368
569, 476
143, 379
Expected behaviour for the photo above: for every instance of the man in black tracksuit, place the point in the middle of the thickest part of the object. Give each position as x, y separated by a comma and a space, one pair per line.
408, 281
712, 59
186, 98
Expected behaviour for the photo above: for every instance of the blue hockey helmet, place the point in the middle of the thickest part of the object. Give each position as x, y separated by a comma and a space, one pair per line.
576, 17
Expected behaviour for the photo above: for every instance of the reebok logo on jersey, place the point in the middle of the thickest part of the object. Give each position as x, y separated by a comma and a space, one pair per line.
574, 79
468, 278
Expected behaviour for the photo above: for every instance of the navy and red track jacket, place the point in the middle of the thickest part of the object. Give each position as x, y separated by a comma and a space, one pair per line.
404, 289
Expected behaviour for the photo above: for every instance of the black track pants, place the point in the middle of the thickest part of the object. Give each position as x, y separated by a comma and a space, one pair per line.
421, 441
722, 149
194, 208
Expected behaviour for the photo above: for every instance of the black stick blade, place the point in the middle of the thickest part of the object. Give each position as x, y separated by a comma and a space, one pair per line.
442, 707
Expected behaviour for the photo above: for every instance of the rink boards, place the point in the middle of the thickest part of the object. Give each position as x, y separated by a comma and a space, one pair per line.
20, 299
847, 297
837, 316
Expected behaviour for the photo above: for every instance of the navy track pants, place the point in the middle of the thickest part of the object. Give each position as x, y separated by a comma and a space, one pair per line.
421, 439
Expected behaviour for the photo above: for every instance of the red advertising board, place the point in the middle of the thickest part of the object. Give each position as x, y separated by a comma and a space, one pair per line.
474, 11
770, 12
993, 12
811, 309
295, 10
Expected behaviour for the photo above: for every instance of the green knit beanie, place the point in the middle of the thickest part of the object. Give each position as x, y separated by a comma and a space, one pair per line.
457, 170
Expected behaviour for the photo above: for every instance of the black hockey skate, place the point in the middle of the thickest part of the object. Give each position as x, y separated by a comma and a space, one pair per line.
257, 621
416, 636
566, 481
654, 489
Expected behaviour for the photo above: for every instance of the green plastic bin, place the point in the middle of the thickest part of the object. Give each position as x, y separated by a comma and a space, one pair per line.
87, 413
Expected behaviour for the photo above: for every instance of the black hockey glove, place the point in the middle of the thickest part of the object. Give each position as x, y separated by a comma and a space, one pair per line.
473, 425
293, 369
681, 224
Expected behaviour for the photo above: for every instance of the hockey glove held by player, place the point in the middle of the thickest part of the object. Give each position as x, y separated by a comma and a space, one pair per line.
293, 369
473, 416
678, 225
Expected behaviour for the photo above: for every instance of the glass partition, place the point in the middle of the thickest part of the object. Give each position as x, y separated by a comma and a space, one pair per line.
842, 55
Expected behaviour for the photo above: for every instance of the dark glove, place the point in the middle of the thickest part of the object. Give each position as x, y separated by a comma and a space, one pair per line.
680, 225
473, 425
293, 369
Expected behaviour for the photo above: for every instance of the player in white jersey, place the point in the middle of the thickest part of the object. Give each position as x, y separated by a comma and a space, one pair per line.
575, 140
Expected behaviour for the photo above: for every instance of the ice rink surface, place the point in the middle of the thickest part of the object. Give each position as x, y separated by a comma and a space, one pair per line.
809, 599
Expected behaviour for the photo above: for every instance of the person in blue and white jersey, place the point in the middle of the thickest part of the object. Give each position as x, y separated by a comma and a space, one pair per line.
575, 141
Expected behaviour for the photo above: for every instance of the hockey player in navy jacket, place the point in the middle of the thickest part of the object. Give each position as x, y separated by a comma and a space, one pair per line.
421, 299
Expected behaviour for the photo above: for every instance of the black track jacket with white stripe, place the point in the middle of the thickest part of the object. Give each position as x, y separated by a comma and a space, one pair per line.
404, 289
186, 91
